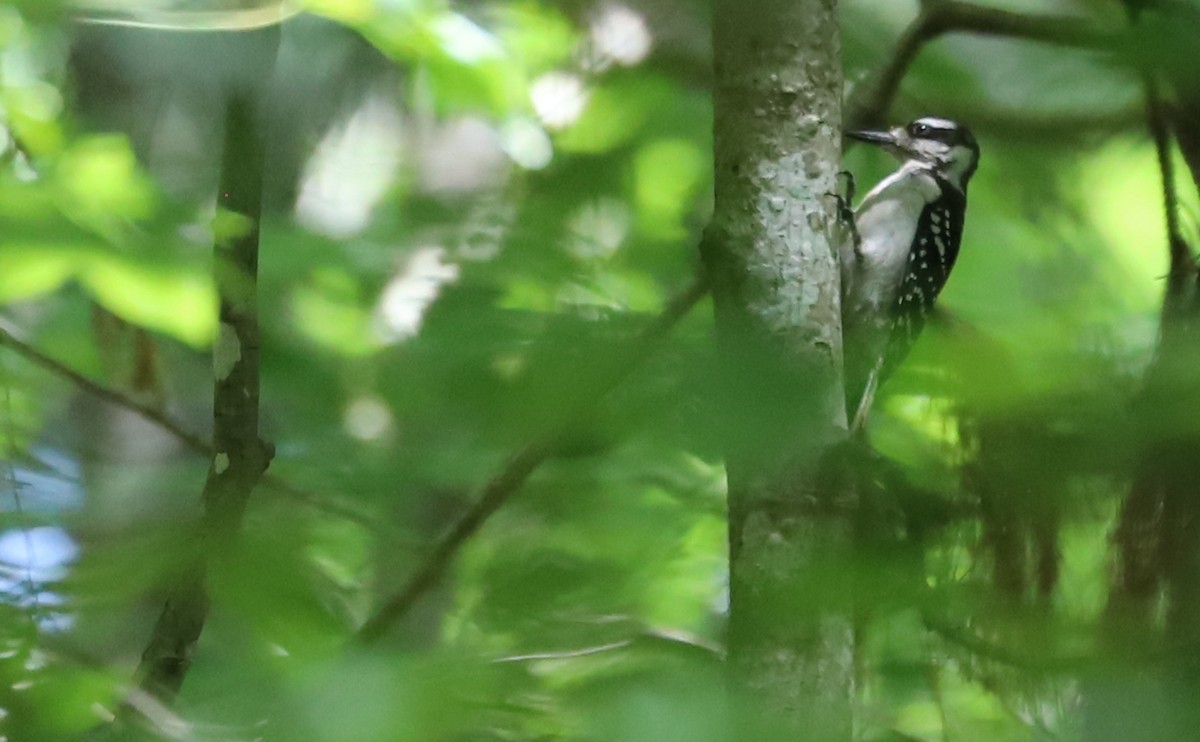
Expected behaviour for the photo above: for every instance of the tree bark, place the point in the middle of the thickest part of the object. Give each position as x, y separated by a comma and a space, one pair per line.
771, 253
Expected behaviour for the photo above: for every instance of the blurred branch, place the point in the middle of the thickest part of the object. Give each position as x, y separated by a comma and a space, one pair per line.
1073, 31
1182, 264
983, 648
174, 428
939, 17
872, 99
651, 638
1170, 37
95, 389
240, 457
513, 474
1069, 129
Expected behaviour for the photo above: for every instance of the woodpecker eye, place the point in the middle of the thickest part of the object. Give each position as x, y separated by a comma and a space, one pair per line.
919, 130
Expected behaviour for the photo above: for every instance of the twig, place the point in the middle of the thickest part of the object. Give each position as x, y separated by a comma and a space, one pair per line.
1182, 265
567, 654
674, 640
513, 474
989, 650
951, 16
873, 98
180, 432
100, 391
1068, 129
1072, 31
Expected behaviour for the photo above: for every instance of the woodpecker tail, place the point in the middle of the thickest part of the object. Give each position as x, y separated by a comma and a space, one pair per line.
861, 409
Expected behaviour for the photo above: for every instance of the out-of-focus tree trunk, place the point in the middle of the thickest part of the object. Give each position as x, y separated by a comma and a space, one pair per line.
771, 253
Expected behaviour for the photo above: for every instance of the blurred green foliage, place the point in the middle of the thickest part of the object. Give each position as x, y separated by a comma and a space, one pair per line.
472, 208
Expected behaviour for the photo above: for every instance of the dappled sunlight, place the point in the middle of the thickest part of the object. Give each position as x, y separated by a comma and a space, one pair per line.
1124, 203
367, 418
599, 228
411, 291
350, 171
619, 35
558, 98
526, 143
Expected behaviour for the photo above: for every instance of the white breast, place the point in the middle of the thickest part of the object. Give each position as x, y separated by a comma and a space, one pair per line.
887, 221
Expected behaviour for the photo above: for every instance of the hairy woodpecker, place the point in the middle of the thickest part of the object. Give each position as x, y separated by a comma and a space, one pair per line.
909, 228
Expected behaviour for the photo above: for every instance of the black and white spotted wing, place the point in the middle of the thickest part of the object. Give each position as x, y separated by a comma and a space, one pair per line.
930, 260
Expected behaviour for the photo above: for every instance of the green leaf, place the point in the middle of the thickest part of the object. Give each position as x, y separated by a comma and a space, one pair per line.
614, 114
31, 271
101, 185
169, 296
328, 310
668, 175
538, 36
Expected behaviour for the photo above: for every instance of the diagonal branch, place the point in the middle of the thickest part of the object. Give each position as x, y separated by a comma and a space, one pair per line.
173, 427
1173, 37
105, 393
1182, 264
872, 100
671, 640
1063, 30
514, 473
1063, 129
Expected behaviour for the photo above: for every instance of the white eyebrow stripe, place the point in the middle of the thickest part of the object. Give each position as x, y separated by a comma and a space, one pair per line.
936, 123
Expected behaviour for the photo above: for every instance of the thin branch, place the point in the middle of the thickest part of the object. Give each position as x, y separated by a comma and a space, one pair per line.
569, 654
240, 456
513, 474
100, 391
1064, 129
873, 99
1062, 30
180, 432
972, 642
1182, 264
668, 639
1169, 42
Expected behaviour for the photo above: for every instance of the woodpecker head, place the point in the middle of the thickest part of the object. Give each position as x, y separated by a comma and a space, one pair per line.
943, 145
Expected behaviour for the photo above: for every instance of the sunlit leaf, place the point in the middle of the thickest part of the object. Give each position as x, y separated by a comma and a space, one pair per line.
101, 183
32, 271
537, 36
668, 175
613, 115
176, 299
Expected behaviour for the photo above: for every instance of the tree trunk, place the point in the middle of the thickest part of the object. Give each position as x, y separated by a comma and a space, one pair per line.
771, 253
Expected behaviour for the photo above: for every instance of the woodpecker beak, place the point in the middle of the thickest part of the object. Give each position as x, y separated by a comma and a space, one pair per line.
882, 138
895, 141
